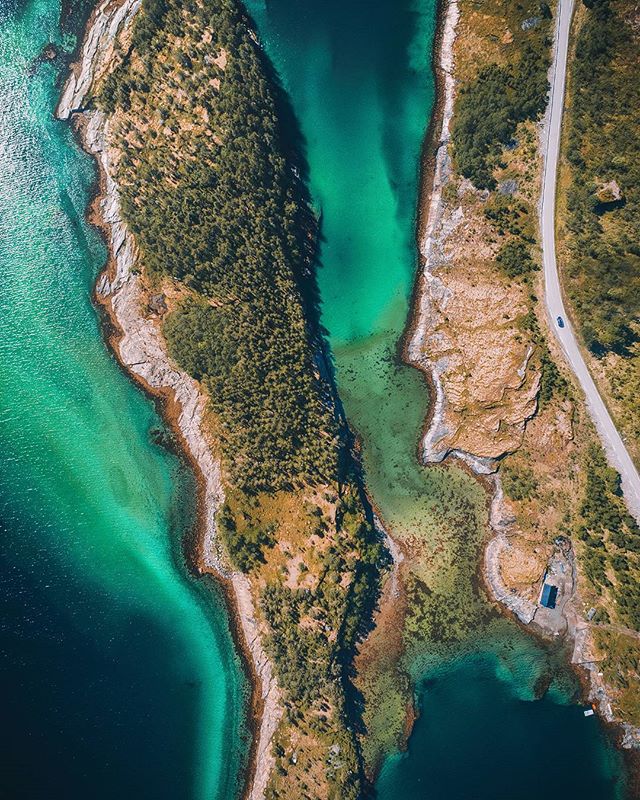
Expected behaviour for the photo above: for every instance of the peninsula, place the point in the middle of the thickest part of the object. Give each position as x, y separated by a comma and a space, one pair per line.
507, 401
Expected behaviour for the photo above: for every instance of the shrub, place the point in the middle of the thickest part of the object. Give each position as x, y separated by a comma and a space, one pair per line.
515, 259
490, 107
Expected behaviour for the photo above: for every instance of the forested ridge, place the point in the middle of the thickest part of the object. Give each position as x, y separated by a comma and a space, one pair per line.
612, 539
211, 192
603, 150
599, 211
213, 202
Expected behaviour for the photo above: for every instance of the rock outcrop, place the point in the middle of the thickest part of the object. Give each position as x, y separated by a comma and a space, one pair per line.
479, 334
466, 333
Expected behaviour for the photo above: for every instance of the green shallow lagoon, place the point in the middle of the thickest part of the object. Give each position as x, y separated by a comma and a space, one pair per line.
120, 676
358, 75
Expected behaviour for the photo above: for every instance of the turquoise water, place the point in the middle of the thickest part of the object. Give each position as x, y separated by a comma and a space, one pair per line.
359, 79
119, 672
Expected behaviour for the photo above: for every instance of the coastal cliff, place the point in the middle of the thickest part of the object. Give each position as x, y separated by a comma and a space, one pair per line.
467, 329
504, 402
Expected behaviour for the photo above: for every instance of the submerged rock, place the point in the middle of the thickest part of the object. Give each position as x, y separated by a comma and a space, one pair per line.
50, 52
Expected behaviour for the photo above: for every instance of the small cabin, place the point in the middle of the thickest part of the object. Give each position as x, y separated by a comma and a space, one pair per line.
549, 595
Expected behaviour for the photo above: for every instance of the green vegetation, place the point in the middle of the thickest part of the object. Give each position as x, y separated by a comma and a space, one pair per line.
552, 382
245, 542
302, 652
490, 107
603, 147
223, 228
624, 377
518, 484
276, 430
515, 259
611, 537
210, 161
511, 215
620, 664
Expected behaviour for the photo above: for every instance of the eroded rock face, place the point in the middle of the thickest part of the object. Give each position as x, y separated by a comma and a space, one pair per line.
468, 334
484, 361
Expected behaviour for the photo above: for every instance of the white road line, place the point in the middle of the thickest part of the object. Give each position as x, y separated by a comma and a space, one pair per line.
615, 448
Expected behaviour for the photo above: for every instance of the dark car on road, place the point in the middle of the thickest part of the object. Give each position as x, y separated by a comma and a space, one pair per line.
560, 322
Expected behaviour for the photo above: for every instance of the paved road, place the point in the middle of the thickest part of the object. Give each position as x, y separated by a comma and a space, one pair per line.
616, 451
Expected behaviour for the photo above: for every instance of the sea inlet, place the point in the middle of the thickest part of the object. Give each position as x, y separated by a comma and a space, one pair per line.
496, 718
122, 675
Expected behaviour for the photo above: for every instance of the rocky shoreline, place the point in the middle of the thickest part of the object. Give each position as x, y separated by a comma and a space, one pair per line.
140, 348
428, 285
437, 226
434, 231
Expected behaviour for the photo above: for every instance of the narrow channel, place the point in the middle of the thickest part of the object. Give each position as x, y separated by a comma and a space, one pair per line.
492, 700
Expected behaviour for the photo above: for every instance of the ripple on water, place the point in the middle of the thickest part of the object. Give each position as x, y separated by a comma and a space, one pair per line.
124, 681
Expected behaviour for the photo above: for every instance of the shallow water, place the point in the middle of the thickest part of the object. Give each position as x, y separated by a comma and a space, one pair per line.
359, 79
119, 672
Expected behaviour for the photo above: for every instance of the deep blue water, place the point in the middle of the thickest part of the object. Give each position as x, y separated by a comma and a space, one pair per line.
476, 739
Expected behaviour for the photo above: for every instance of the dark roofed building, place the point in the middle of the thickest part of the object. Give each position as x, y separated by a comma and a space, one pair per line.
549, 595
